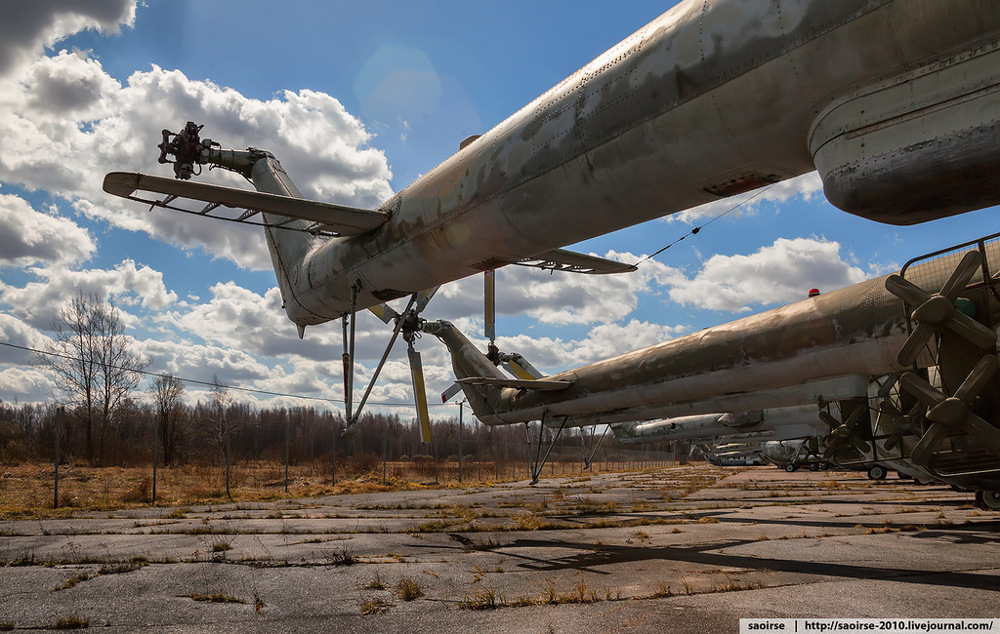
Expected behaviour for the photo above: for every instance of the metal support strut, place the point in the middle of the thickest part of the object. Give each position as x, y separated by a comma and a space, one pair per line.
588, 455
534, 466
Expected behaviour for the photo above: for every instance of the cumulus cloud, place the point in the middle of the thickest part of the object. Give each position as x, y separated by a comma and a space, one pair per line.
38, 303
777, 274
66, 123
557, 298
26, 28
29, 237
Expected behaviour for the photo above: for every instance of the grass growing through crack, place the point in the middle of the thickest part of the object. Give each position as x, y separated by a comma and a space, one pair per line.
409, 589
373, 606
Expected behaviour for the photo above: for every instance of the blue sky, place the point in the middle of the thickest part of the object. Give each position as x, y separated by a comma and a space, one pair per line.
357, 100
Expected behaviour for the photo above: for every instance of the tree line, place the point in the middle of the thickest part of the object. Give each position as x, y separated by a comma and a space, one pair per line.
101, 420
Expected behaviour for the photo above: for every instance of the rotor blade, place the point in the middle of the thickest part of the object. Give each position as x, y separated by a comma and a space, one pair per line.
906, 290
962, 274
490, 304
419, 394
519, 367
914, 344
424, 298
450, 393
384, 312
920, 389
982, 374
971, 330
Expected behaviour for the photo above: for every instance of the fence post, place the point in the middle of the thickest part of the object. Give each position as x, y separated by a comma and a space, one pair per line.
460, 425
287, 424
385, 448
55, 489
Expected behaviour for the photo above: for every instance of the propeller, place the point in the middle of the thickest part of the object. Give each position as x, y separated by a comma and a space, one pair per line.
947, 414
903, 424
937, 310
843, 433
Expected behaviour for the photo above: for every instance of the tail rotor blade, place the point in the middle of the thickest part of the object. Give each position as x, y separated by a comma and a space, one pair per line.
419, 394
450, 393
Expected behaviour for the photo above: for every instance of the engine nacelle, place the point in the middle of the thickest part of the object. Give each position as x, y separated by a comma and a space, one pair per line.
920, 146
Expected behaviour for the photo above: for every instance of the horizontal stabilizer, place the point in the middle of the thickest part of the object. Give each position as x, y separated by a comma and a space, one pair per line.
520, 384
327, 218
573, 262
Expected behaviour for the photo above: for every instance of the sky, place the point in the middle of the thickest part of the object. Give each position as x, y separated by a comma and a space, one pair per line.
356, 100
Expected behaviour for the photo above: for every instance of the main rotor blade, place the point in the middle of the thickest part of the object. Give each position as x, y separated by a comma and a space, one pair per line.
384, 312
490, 301
419, 394
424, 298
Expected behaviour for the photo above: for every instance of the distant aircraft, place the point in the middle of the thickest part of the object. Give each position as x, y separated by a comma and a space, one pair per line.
894, 102
783, 423
910, 359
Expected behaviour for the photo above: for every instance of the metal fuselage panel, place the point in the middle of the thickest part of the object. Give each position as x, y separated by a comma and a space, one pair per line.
706, 101
837, 340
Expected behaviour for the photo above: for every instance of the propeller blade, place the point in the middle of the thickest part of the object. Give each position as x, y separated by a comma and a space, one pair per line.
961, 275
982, 374
921, 453
419, 394
986, 434
490, 305
829, 419
914, 344
921, 389
971, 330
906, 290
450, 393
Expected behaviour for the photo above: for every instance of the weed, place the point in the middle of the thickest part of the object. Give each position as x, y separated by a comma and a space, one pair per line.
221, 546
409, 589
71, 622
342, 557
662, 590
373, 606
376, 583
79, 577
483, 599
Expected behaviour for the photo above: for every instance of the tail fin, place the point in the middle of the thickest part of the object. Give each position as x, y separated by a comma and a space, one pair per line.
288, 249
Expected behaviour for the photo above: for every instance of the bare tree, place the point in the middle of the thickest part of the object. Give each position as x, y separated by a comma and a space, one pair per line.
94, 365
168, 394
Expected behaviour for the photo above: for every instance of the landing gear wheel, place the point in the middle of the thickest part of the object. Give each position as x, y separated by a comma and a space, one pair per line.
876, 472
790, 467
824, 466
988, 500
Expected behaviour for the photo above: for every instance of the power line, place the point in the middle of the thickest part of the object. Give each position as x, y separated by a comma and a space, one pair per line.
235, 388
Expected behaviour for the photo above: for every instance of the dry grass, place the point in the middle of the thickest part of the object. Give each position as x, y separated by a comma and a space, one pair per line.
26, 490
